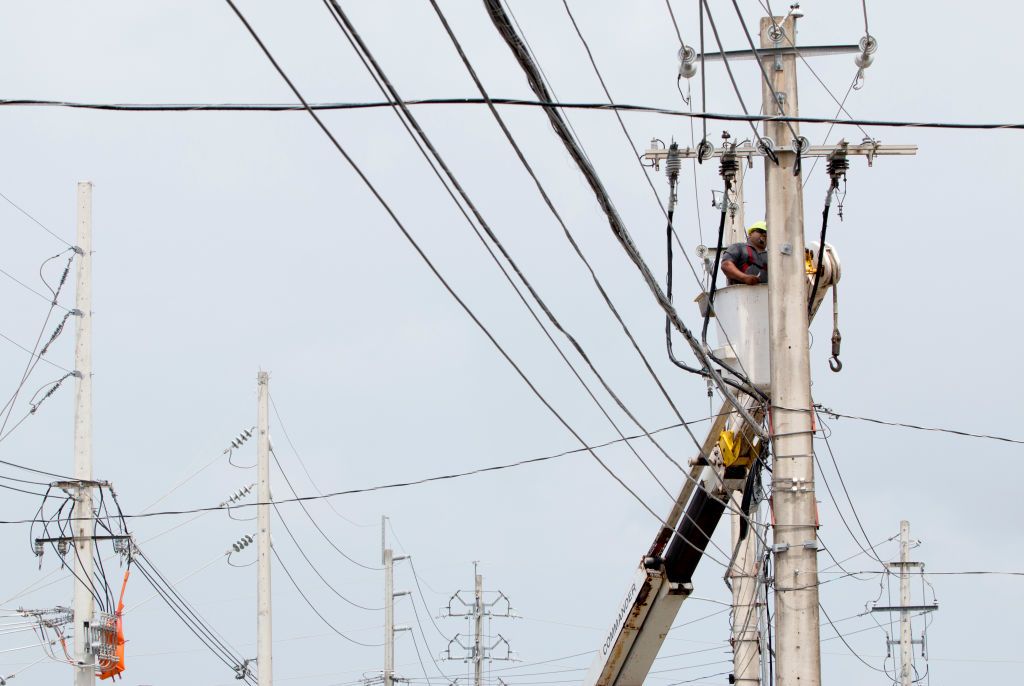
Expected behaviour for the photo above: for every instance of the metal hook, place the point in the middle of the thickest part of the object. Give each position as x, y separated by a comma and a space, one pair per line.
834, 364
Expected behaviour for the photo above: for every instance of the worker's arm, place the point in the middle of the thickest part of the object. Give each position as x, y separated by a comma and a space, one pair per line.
730, 269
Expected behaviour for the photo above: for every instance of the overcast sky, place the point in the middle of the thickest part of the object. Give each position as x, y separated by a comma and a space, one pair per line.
226, 243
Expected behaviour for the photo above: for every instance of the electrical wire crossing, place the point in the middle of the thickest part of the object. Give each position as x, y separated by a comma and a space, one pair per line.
518, 102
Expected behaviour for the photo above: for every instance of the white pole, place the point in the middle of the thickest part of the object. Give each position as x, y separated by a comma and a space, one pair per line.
478, 620
746, 644
906, 639
746, 608
389, 617
264, 654
798, 649
83, 604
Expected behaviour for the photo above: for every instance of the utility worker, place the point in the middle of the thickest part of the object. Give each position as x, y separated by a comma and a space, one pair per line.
747, 263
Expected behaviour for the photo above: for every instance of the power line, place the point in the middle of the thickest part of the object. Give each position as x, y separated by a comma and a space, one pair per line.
401, 226
348, 28
618, 228
312, 606
323, 534
498, 16
621, 107
316, 570
36, 221
302, 463
917, 427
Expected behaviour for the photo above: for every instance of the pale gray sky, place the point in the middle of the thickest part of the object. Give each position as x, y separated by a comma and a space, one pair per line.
228, 242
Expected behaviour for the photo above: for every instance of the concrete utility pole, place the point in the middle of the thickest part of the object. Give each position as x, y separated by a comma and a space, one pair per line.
389, 559
83, 603
389, 617
905, 608
906, 638
478, 627
798, 648
480, 648
746, 608
264, 645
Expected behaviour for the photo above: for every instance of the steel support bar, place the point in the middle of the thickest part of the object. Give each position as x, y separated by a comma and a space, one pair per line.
869, 150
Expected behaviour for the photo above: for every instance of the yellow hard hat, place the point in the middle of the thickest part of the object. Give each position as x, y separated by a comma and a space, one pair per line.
757, 226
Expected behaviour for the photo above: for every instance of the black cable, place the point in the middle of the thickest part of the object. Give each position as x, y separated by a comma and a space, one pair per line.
918, 427
621, 107
617, 226
498, 17
312, 607
847, 643
316, 570
22, 490
323, 534
388, 89
186, 606
767, 80
401, 226
423, 599
714, 270
725, 60
230, 660
821, 250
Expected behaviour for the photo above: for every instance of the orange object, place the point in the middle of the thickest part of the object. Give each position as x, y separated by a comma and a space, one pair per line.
114, 668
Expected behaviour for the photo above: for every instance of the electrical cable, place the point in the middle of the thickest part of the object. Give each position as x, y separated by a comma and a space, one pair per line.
36, 221
228, 661
764, 75
316, 570
190, 619
842, 637
725, 60
312, 607
376, 72
500, 21
401, 226
498, 16
667, 212
302, 463
312, 520
621, 107
917, 427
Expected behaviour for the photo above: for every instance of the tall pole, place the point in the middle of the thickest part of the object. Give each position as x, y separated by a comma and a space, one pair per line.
389, 617
746, 644
264, 645
798, 649
906, 640
83, 603
746, 606
478, 627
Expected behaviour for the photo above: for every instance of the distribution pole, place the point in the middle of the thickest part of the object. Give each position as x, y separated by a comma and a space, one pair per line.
389, 617
906, 639
264, 645
798, 648
478, 623
746, 644
83, 603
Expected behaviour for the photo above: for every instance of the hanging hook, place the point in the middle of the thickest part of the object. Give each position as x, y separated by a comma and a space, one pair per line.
833, 362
